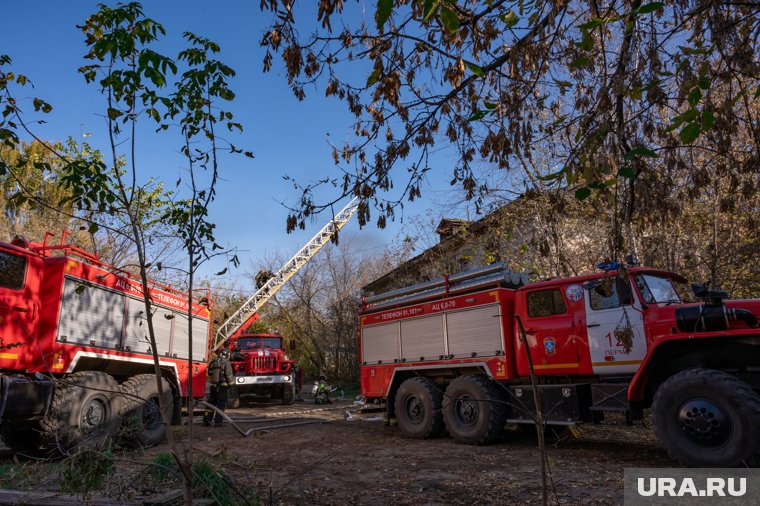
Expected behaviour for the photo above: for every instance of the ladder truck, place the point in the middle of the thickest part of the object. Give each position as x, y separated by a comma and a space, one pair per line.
259, 361
76, 363
456, 355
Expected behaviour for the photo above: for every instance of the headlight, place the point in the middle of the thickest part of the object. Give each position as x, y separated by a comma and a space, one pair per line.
240, 379
286, 378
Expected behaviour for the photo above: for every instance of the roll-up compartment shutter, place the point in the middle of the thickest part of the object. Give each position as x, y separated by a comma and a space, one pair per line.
90, 315
380, 343
422, 338
475, 331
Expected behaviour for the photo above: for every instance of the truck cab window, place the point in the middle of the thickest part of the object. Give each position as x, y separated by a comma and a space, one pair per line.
616, 293
12, 271
546, 303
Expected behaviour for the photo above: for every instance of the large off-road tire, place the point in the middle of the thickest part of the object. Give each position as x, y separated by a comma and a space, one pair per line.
142, 421
21, 437
288, 394
707, 418
474, 410
418, 408
84, 411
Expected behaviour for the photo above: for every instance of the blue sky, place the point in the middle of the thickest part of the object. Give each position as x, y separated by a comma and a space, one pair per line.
287, 137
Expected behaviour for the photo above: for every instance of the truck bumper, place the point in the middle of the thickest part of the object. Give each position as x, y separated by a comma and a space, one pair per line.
277, 379
23, 398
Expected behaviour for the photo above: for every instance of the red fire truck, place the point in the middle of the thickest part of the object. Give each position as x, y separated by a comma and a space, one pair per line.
74, 350
259, 360
262, 368
448, 355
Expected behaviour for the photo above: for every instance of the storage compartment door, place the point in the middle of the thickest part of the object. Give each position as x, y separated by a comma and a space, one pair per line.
180, 343
137, 327
475, 332
380, 344
422, 338
90, 315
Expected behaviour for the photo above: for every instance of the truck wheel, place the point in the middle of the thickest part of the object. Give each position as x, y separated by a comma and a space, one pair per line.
84, 411
141, 420
233, 403
707, 418
474, 410
288, 394
418, 408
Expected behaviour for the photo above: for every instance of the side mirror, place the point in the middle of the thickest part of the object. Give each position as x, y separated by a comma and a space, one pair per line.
292, 344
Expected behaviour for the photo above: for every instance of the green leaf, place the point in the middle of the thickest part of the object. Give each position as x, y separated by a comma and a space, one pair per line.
41, 105
384, 9
524, 248
704, 83
689, 133
372, 79
594, 23
695, 95
757, 92
113, 113
429, 10
636, 92
450, 20
580, 62
627, 172
686, 117
510, 19
640, 151
587, 42
650, 7
477, 116
93, 228
476, 70
582, 193
708, 118
555, 175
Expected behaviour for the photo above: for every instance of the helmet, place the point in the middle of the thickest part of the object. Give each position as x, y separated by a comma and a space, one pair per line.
224, 352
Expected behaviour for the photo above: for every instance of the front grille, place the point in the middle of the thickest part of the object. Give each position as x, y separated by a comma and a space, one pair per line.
263, 364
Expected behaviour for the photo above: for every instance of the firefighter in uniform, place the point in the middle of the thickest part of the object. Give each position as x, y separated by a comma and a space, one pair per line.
221, 377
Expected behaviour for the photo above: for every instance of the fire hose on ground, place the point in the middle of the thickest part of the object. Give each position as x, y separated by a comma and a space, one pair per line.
253, 430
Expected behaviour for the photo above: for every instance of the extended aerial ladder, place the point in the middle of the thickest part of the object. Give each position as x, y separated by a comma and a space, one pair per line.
248, 312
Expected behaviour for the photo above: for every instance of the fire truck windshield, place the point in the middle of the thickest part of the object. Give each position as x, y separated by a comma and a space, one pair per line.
656, 289
255, 343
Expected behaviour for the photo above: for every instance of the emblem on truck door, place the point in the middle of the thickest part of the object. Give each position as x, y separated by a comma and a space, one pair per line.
574, 293
550, 345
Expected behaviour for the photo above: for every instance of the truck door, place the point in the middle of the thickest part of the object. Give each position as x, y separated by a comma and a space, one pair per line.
550, 329
610, 309
19, 292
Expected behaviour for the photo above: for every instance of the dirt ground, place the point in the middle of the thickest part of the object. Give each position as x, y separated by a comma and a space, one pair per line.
334, 455
350, 458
